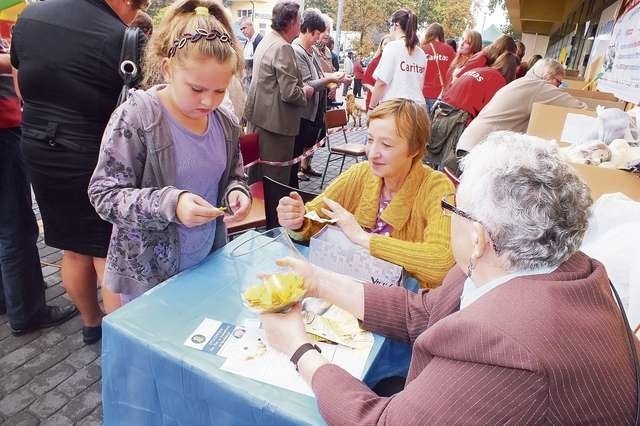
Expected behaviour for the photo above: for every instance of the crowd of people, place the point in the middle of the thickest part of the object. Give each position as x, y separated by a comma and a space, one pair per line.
511, 317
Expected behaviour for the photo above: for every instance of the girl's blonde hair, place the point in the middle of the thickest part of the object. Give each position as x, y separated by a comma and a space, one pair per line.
411, 122
180, 19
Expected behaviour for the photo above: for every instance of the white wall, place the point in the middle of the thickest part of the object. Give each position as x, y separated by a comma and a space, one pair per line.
535, 44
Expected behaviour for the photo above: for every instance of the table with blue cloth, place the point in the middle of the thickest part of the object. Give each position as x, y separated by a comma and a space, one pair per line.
150, 378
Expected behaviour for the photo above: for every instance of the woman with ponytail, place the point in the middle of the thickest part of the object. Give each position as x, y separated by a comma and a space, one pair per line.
400, 73
170, 174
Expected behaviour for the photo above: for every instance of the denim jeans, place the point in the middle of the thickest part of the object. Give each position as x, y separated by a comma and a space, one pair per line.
21, 283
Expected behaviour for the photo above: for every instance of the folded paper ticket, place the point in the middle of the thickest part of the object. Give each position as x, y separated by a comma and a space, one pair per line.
312, 215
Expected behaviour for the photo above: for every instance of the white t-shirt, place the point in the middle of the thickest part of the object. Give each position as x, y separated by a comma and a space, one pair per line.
403, 73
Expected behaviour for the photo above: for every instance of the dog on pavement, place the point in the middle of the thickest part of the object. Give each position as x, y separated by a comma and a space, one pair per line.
353, 110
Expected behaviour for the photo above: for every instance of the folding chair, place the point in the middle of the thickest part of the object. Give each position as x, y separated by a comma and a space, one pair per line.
273, 192
250, 149
337, 119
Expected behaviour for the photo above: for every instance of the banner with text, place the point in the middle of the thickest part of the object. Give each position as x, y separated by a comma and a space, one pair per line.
621, 69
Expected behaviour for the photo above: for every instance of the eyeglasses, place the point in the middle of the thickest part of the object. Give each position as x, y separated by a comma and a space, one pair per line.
243, 28
391, 24
448, 208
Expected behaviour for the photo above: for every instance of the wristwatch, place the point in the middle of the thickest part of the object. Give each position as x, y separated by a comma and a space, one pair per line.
303, 349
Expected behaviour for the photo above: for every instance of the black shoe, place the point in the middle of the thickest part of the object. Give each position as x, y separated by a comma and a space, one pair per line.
302, 176
310, 172
91, 335
48, 317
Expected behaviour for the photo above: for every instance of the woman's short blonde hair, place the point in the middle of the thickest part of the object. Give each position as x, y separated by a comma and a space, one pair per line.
411, 121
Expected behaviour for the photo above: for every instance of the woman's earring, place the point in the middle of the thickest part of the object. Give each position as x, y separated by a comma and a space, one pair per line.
470, 268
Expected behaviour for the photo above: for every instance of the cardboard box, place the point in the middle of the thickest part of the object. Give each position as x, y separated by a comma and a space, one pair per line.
575, 83
593, 103
547, 121
605, 96
603, 181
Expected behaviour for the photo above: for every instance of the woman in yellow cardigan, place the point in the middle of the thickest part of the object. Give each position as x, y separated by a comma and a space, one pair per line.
390, 204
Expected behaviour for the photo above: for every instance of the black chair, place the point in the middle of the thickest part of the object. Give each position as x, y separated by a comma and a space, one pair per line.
273, 192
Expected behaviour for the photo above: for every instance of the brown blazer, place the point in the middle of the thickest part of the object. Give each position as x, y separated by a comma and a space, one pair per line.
546, 349
275, 97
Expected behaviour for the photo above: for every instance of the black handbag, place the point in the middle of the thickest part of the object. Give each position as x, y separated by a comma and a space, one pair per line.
129, 68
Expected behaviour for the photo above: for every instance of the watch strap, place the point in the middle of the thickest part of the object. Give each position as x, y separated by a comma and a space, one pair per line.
303, 349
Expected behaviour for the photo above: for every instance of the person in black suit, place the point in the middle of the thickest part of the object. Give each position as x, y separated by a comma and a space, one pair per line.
253, 39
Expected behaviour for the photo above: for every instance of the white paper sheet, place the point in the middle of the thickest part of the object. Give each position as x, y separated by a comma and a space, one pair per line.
579, 128
247, 354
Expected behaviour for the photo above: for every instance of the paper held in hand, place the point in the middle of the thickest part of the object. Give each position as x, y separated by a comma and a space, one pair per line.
313, 215
247, 354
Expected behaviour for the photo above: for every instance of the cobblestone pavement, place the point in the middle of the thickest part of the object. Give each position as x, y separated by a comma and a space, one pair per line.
50, 377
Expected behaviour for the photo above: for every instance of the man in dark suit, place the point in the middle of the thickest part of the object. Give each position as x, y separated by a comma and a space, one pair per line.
277, 94
253, 39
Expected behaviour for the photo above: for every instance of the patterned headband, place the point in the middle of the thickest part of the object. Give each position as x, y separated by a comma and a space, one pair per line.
200, 34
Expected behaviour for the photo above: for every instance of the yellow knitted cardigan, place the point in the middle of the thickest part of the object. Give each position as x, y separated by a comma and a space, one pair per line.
420, 237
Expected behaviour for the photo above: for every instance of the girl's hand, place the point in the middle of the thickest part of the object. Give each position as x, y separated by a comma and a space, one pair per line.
347, 222
285, 332
193, 210
239, 206
291, 211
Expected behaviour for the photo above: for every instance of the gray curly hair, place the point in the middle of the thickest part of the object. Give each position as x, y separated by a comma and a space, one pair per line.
532, 203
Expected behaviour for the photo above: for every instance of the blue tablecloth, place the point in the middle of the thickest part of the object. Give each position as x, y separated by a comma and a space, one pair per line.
150, 378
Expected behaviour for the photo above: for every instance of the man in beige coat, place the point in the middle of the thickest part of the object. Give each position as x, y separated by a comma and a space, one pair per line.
510, 107
277, 95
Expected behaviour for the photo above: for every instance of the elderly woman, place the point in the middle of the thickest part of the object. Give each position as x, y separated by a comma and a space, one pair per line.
277, 96
389, 205
67, 54
312, 120
510, 108
524, 329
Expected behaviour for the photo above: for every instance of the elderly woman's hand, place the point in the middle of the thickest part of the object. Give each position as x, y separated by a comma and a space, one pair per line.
347, 223
309, 273
291, 211
285, 332
239, 206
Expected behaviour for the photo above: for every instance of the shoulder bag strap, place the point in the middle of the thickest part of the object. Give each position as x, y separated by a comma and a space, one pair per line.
435, 55
634, 353
129, 68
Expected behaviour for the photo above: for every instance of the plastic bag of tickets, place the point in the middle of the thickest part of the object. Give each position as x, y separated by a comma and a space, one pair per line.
331, 249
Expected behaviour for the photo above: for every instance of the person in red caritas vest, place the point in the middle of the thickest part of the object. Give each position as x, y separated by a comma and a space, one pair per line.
439, 57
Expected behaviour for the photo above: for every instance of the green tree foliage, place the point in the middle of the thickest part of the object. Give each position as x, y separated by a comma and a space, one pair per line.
370, 17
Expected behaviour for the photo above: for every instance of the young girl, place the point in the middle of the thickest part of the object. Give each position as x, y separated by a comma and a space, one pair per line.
169, 165
400, 72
